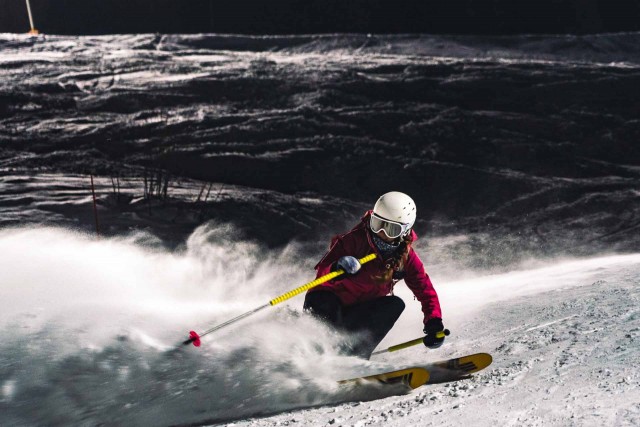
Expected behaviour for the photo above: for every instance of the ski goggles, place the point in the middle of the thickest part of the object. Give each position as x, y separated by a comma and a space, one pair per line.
391, 228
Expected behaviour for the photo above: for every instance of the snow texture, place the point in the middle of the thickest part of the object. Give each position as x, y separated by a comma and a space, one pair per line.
530, 138
564, 354
88, 327
522, 156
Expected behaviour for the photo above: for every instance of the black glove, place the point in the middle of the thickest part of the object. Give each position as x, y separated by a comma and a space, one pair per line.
431, 328
348, 264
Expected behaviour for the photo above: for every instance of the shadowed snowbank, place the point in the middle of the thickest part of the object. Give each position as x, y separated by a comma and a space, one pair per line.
530, 136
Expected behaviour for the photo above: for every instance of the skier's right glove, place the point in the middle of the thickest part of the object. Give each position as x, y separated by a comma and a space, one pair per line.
431, 328
350, 265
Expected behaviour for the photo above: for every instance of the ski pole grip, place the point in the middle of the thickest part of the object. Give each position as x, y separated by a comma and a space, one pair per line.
316, 282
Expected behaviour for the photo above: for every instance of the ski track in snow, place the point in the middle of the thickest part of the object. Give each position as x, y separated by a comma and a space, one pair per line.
84, 337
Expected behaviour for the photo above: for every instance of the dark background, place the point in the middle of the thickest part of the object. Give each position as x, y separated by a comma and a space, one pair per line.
322, 16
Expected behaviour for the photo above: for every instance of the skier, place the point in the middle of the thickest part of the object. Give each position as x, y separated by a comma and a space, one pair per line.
359, 301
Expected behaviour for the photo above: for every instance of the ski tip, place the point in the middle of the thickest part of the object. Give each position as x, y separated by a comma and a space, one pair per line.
194, 339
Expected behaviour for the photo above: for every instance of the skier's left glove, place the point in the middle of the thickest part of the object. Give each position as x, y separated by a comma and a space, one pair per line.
431, 329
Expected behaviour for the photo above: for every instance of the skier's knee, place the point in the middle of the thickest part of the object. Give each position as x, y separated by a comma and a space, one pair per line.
396, 304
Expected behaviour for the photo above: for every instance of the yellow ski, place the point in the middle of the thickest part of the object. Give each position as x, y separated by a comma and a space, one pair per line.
411, 377
467, 364
441, 371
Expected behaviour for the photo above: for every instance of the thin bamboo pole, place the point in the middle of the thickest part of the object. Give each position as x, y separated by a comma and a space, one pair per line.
33, 28
95, 207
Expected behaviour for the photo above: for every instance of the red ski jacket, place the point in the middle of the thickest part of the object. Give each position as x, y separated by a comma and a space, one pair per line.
374, 280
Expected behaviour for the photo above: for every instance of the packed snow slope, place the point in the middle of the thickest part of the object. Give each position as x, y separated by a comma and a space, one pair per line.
88, 330
224, 164
565, 342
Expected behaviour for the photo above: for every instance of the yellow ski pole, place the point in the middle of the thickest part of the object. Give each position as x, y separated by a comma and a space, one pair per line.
411, 343
194, 337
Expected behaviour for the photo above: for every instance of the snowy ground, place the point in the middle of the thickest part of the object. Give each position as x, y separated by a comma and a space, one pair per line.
87, 326
567, 356
514, 148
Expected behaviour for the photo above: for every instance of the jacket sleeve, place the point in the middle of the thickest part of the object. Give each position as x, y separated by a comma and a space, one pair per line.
418, 281
336, 251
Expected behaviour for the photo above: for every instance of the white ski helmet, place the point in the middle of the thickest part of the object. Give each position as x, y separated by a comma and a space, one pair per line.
393, 207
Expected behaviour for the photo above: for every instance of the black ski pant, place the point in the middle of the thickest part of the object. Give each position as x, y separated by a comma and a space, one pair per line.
370, 320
